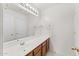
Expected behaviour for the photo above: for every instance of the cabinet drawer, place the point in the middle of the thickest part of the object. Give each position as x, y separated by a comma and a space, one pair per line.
36, 50
39, 53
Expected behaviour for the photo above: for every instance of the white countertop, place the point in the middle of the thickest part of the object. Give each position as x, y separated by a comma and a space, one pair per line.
14, 48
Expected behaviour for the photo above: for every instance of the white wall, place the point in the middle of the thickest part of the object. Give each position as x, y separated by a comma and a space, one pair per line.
61, 21
1, 29
34, 24
37, 26
14, 24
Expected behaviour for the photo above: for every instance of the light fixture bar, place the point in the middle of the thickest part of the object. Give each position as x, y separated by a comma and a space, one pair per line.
29, 8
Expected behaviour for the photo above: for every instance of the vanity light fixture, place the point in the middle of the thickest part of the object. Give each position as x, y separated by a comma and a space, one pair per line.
28, 8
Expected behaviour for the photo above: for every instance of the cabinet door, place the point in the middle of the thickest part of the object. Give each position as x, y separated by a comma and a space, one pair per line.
37, 49
44, 48
39, 53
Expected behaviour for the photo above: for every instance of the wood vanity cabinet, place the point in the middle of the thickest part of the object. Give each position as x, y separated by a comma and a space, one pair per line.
38, 54
44, 48
37, 51
30, 54
40, 50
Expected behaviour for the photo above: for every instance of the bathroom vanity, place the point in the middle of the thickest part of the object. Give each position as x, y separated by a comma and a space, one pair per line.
33, 46
40, 50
